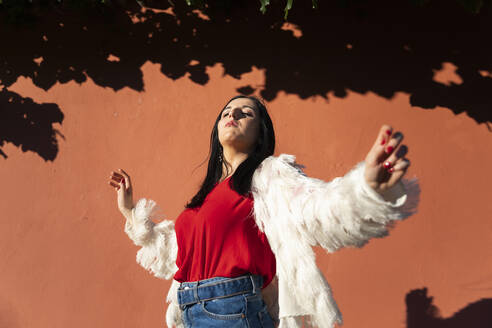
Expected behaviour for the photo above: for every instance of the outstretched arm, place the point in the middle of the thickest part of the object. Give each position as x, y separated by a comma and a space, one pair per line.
157, 240
347, 211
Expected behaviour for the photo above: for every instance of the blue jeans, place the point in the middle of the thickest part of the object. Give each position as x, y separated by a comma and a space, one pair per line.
224, 302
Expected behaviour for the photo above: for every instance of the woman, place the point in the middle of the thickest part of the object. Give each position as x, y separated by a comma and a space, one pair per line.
241, 252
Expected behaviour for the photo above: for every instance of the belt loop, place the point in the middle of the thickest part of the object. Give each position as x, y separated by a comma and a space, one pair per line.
253, 282
195, 293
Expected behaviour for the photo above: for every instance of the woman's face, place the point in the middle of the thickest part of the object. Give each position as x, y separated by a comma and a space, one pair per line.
239, 125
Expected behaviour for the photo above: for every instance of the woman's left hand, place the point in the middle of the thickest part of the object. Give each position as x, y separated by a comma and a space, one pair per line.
385, 164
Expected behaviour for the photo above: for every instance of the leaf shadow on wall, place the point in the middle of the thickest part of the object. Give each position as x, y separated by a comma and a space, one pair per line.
422, 313
382, 47
29, 125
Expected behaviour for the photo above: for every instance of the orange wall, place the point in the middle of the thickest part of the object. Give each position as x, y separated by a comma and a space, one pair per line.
66, 261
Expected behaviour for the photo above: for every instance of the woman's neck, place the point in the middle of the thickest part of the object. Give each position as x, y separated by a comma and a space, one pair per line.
233, 158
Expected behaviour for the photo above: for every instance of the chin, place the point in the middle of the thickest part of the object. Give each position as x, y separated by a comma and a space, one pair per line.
229, 138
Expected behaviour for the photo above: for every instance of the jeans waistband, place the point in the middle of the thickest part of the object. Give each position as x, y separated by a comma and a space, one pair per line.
217, 287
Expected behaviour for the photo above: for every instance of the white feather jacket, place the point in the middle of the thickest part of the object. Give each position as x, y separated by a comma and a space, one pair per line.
296, 212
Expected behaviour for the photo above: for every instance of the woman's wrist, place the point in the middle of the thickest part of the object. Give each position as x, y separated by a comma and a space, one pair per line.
127, 213
393, 193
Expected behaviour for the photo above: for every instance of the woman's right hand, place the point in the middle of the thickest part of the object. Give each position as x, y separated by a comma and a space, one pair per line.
121, 182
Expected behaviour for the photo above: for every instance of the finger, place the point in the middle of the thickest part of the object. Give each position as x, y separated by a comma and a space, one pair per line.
376, 155
116, 174
116, 186
123, 185
116, 179
401, 165
383, 135
126, 176
388, 149
395, 156
398, 170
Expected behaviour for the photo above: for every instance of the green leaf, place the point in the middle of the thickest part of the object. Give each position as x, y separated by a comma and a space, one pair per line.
287, 8
264, 3
473, 6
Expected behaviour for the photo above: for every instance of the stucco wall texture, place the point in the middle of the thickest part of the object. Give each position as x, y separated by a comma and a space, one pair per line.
66, 261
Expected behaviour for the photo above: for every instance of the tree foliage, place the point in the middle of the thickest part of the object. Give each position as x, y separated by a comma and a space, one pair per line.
18, 10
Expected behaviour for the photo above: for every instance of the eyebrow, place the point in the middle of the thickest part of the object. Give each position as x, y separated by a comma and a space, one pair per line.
228, 107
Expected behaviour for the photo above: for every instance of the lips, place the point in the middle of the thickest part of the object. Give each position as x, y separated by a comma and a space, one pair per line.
231, 123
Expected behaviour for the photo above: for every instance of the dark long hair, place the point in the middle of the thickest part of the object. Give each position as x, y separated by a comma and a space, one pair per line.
241, 179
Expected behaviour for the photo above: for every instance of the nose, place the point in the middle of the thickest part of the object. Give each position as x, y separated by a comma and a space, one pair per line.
235, 113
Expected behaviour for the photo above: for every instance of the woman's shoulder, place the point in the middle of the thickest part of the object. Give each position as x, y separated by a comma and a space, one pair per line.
285, 158
279, 172
278, 166
186, 213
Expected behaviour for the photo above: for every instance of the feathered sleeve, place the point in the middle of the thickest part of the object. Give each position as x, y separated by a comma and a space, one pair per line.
157, 240
343, 212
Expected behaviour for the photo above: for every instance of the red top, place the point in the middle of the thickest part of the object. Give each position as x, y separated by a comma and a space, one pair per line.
221, 239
